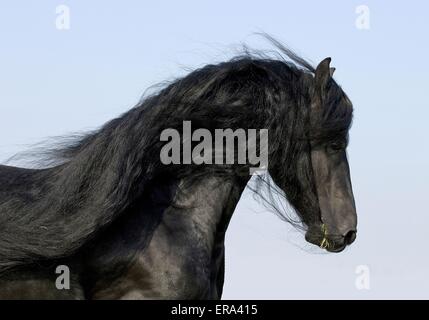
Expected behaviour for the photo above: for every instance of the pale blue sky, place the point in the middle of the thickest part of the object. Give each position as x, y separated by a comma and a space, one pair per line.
55, 82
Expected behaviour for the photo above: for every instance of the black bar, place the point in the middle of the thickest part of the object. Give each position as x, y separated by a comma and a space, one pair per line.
225, 309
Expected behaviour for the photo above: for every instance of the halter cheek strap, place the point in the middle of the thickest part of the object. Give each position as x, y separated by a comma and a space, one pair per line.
324, 244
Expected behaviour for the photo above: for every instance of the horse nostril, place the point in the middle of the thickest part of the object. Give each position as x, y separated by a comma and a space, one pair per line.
350, 237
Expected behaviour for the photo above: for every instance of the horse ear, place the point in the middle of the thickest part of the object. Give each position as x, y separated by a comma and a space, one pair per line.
323, 73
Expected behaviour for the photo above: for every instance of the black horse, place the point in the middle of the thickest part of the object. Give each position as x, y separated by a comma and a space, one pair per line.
128, 226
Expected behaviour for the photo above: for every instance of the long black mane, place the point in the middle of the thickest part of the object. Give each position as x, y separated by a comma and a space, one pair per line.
52, 212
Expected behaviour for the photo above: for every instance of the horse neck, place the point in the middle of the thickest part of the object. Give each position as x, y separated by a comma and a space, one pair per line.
208, 205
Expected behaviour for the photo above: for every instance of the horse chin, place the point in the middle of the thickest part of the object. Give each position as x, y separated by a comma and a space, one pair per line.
336, 249
313, 237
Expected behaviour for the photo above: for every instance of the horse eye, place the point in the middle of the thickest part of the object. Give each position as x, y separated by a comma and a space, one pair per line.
336, 146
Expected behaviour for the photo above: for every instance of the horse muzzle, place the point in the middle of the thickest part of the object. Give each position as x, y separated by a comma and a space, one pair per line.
320, 236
